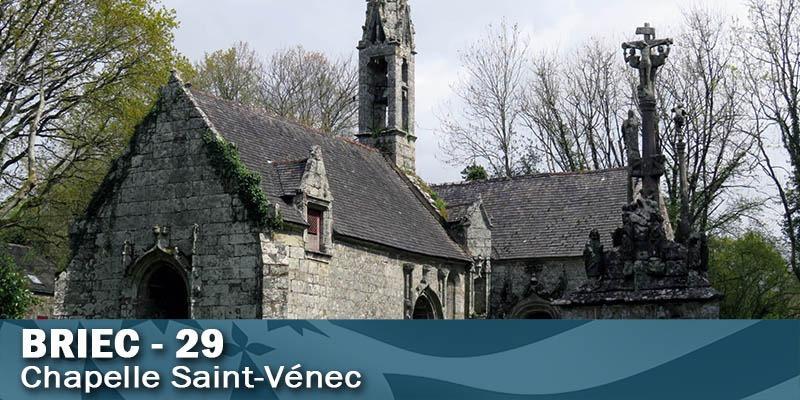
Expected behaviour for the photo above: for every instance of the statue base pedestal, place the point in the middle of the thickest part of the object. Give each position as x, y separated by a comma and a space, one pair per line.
646, 275
676, 303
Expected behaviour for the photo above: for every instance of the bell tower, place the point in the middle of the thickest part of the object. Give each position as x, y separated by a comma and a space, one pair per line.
386, 81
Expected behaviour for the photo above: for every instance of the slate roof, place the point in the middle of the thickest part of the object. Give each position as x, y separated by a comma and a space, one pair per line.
39, 271
371, 201
290, 175
457, 212
545, 215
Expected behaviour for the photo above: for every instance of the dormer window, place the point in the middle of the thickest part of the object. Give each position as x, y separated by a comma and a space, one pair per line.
315, 229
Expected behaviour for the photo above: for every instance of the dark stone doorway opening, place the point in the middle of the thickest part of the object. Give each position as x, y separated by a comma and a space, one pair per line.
427, 306
423, 309
533, 307
163, 294
537, 315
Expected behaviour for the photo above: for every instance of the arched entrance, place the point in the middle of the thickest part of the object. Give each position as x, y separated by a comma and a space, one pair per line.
427, 306
163, 293
537, 315
533, 307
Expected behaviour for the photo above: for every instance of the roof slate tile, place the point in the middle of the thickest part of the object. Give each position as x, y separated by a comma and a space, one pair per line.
372, 202
546, 215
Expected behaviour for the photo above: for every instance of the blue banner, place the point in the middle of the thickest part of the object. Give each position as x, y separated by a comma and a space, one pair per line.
506, 360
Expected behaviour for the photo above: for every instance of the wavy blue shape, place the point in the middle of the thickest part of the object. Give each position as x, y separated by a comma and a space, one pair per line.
475, 338
747, 362
786, 390
548, 366
583, 351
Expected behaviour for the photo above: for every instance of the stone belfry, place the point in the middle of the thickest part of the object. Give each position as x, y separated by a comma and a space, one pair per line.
386, 81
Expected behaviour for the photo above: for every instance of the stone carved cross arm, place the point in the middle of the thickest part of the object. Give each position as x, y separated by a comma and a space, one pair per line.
641, 44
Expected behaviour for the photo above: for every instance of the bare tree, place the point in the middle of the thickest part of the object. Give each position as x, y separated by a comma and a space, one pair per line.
311, 89
573, 108
303, 86
486, 128
771, 49
231, 74
576, 102
703, 78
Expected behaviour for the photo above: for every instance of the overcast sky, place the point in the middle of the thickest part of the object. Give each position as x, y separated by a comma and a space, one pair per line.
443, 28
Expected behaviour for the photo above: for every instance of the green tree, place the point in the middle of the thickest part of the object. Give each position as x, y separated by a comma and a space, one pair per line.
754, 277
474, 172
15, 297
77, 77
304, 86
231, 74
312, 89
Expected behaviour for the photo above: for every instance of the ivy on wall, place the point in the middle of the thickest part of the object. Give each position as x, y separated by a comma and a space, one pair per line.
247, 184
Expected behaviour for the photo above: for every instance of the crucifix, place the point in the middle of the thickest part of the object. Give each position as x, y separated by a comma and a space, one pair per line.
646, 56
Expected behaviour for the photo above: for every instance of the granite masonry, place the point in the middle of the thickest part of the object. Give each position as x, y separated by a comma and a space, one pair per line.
217, 210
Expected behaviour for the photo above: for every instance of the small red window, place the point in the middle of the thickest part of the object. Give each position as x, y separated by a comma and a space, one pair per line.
314, 228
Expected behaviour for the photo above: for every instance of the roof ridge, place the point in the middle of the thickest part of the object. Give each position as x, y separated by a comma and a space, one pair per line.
529, 176
263, 113
356, 143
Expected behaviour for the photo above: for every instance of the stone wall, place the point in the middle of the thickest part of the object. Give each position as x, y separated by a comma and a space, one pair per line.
357, 280
386, 83
667, 309
164, 179
511, 283
511, 280
473, 232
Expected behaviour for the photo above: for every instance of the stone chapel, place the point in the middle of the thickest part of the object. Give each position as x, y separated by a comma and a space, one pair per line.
217, 210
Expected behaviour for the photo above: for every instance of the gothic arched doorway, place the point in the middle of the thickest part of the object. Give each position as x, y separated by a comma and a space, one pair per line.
163, 293
537, 315
427, 306
533, 307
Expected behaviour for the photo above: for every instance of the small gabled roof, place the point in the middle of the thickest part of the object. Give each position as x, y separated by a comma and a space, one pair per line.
461, 212
372, 201
290, 175
545, 215
39, 272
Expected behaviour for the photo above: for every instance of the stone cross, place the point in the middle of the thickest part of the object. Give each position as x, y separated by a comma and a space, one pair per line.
648, 31
646, 61
651, 166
